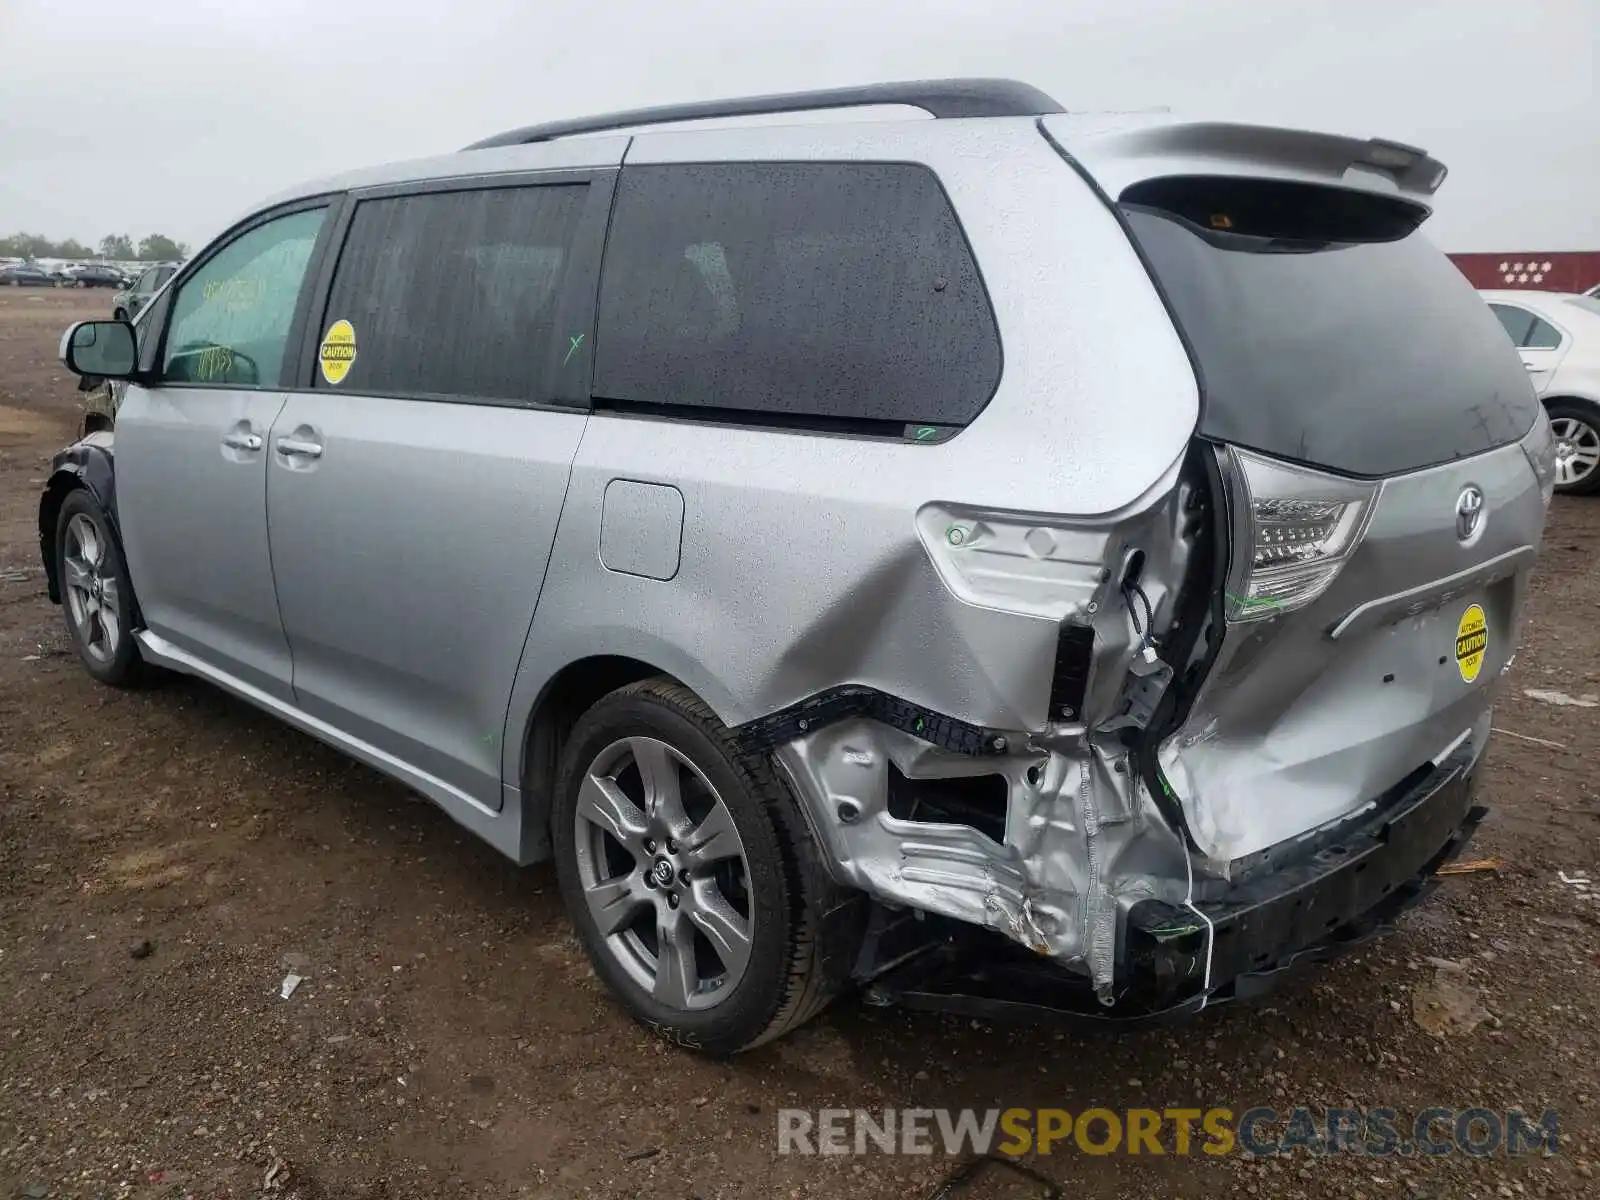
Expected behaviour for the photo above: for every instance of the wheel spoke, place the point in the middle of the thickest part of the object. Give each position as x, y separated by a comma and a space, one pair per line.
663, 787
712, 840
88, 539
615, 902
725, 929
94, 635
76, 573
602, 802
106, 614
676, 977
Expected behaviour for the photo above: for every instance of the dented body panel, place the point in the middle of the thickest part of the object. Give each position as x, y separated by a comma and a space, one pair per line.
1325, 709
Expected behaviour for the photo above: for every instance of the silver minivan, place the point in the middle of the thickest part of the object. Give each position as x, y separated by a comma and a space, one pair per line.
1013, 562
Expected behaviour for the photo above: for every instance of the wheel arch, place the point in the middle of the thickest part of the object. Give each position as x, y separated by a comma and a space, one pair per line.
1591, 402
88, 465
566, 695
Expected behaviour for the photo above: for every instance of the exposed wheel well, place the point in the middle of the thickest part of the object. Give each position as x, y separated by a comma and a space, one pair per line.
566, 697
1586, 401
49, 513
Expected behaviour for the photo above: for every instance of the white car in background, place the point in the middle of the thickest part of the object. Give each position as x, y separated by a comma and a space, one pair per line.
1558, 336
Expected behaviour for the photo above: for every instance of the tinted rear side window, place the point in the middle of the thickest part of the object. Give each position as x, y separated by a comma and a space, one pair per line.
1364, 358
455, 293
1542, 336
814, 293
1518, 322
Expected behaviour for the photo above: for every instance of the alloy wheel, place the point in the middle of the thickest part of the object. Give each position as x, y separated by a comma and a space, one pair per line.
93, 596
664, 873
1577, 450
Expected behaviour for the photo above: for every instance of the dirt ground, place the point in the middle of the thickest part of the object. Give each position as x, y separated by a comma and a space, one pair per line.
166, 856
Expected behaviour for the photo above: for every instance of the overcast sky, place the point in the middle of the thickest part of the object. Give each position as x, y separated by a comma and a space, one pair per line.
173, 116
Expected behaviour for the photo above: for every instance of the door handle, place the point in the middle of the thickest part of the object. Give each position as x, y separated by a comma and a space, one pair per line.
242, 441
297, 448
1528, 366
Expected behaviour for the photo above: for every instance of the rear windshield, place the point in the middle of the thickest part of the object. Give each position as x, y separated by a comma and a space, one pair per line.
1364, 358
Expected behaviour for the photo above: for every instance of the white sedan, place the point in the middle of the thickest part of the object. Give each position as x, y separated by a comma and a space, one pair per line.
1558, 336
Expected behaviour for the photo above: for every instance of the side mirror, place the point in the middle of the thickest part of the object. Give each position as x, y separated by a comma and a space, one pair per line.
103, 348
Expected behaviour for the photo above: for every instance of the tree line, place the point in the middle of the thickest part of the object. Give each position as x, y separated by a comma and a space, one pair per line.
119, 246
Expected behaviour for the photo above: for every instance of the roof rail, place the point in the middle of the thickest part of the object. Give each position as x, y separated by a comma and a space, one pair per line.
937, 97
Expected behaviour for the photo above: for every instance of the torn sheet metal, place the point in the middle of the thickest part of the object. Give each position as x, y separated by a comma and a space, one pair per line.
1082, 840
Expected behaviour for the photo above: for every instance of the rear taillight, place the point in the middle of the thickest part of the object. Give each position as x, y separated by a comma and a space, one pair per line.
1293, 530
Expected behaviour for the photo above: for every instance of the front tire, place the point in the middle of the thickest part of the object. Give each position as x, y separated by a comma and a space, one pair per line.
1576, 426
690, 877
96, 595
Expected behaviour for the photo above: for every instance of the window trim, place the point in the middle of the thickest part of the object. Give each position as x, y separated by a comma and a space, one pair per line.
579, 295
871, 428
333, 202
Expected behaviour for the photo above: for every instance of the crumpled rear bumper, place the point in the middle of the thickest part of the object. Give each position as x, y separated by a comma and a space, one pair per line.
1342, 891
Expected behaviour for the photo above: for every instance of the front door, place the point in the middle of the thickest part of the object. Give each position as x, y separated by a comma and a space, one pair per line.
191, 453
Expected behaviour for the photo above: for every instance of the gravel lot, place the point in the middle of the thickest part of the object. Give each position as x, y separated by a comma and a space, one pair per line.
167, 856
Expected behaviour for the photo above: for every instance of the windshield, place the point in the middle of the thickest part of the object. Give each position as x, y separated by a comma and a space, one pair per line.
1364, 358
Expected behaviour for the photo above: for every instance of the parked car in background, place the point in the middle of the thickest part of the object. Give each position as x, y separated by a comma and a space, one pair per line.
1107, 676
94, 275
26, 275
125, 305
1558, 336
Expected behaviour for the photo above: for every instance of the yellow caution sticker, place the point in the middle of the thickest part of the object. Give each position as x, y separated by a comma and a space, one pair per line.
338, 351
1472, 640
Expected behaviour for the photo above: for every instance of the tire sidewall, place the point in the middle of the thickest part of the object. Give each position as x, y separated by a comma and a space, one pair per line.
125, 662
749, 1009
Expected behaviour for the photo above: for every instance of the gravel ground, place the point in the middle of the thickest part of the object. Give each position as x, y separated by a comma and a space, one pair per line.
166, 857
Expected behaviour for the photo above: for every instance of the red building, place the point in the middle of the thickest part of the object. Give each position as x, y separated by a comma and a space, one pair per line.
1541, 271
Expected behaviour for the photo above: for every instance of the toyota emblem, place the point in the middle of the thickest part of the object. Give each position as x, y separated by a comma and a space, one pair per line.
1469, 512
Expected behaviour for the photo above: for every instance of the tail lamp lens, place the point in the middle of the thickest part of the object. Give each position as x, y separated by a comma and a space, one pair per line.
1294, 529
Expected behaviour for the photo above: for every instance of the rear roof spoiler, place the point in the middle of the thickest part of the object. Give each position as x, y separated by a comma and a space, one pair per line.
1120, 152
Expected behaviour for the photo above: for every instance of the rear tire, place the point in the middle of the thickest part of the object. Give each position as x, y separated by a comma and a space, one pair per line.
96, 594
1576, 425
693, 854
